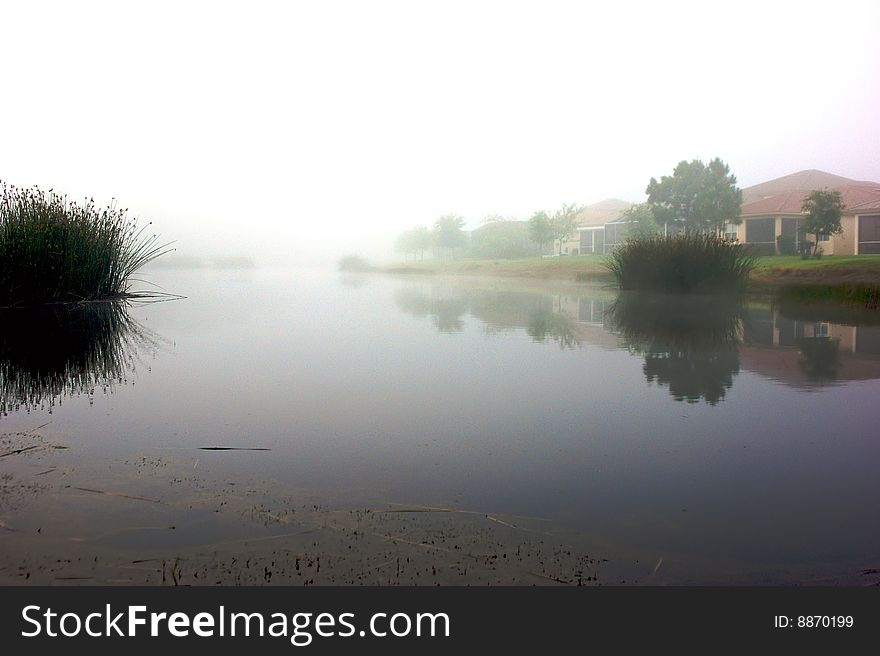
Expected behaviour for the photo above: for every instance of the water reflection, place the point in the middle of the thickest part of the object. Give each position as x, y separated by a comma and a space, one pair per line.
546, 324
446, 311
695, 347
820, 359
48, 353
690, 345
812, 345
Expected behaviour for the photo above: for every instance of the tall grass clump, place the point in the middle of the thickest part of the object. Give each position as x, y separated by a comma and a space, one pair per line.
53, 250
690, 263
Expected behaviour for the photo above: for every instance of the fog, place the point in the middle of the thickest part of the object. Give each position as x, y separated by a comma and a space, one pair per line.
295, 132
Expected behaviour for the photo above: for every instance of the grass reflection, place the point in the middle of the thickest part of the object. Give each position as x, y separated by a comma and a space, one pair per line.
50, 352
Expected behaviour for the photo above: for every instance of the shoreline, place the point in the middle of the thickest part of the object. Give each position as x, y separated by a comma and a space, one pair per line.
164, 522
772, 273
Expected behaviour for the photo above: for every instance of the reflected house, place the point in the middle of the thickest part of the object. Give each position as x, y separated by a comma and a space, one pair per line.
807, 352
694, 347
698, 359
772, 219
589, 318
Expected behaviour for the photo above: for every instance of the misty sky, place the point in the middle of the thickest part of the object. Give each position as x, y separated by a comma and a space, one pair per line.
307, 130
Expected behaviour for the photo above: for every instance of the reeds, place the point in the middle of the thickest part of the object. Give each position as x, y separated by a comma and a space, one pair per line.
53, 250
691, 263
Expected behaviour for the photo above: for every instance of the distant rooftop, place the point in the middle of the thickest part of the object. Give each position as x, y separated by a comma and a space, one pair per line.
785, 195
603, 212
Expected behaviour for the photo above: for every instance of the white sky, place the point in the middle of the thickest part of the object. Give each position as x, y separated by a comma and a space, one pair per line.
310, 129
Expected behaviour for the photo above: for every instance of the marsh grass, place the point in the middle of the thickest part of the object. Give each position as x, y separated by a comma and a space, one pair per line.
53, 250
692, 263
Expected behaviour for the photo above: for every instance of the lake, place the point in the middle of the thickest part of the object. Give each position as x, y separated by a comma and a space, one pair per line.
645, 439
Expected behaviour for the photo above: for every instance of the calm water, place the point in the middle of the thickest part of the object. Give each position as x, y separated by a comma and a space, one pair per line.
742, 435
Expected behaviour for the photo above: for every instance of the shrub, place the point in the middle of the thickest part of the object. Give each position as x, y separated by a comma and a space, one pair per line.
52, 250
353, 263
681, 263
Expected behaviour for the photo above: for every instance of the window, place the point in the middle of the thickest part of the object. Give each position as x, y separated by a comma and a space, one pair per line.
824, 237
730, 231
761, 231
869, 234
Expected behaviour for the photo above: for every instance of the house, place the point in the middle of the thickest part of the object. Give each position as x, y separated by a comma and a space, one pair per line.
592, 231
772, 218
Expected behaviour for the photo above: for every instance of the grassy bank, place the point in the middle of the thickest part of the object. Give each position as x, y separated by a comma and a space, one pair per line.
784, 271
769, 272
557, 268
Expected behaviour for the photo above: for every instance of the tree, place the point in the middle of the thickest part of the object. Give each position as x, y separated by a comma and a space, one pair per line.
353, 263
415, 240
404, 243
421, 240
641, 221
823, 209
500, 239
540, 231
696, 197
448, 232
563, 223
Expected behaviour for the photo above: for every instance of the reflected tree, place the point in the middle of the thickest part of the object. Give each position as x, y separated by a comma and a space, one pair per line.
690, 344
820, 358
497, 310
446, 312
546, 324
693, 375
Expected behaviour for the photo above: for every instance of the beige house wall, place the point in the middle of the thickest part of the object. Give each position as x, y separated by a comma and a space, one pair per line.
845, 242
842, 244
567, 246
846, 335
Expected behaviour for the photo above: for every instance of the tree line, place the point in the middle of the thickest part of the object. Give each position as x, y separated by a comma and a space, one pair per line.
697, 198
497, 237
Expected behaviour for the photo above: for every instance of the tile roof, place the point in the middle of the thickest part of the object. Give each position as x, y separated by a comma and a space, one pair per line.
786, 195
598, 214
800, 181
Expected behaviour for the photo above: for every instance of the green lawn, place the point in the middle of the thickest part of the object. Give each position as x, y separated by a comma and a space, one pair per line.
546, 267
769, 272
866, 262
